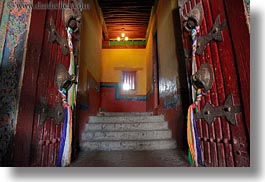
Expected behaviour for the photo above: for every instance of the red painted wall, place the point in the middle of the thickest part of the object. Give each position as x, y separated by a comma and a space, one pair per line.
176, 122
110, 104
150, 102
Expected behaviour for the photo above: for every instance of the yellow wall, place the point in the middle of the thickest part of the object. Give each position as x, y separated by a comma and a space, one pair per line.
90, 47
116, 60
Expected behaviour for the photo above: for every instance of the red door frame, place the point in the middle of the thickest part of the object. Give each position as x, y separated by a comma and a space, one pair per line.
28, 94
37, 145
241, 41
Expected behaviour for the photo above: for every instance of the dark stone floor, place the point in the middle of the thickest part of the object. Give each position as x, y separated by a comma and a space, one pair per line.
158, 158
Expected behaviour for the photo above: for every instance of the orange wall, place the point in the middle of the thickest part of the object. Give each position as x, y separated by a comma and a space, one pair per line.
115, 60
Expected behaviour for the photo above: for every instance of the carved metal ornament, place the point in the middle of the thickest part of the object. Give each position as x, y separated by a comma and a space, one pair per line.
63, 79
194, 18
54, 36
215, 34
209, 112
47, 112
203, 78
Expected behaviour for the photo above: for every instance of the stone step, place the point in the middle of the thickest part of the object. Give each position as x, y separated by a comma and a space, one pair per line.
127, 135
127, 131
126, 126
135, 145
125, 114
124, 119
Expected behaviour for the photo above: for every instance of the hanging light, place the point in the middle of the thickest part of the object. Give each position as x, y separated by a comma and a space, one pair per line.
122, 37
122, 33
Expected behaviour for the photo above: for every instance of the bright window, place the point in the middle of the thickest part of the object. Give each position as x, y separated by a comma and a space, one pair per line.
128, 80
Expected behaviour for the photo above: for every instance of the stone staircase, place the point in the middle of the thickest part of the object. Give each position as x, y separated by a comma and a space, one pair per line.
127, 131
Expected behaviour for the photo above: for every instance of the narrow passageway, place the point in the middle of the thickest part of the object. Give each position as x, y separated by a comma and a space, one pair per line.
156, 158
131, 78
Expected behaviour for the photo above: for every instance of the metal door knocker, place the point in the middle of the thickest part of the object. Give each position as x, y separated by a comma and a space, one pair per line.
63, 79
203, 78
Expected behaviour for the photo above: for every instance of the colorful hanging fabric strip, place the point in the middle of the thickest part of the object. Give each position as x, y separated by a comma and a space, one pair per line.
64, 157
67, 118
194, 33
194, 152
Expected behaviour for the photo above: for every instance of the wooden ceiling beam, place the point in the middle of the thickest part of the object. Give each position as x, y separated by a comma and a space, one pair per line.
132, 15
123, 21
144, 15
123, 25
126, 7
125, 4
126, 11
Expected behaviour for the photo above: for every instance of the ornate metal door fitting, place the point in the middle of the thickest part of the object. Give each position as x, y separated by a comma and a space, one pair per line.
194, 18
209, 112
63, 79
47, 112
55, 37
215, 34
203, 78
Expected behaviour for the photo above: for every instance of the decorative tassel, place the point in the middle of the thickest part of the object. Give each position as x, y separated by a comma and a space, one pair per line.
64, 130
65, 152
194, 152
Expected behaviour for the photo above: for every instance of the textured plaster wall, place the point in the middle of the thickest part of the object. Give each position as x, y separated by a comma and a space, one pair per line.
13, 32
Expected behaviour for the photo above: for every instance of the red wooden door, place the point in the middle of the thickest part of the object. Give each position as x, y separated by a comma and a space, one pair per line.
223, 144
38, 144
